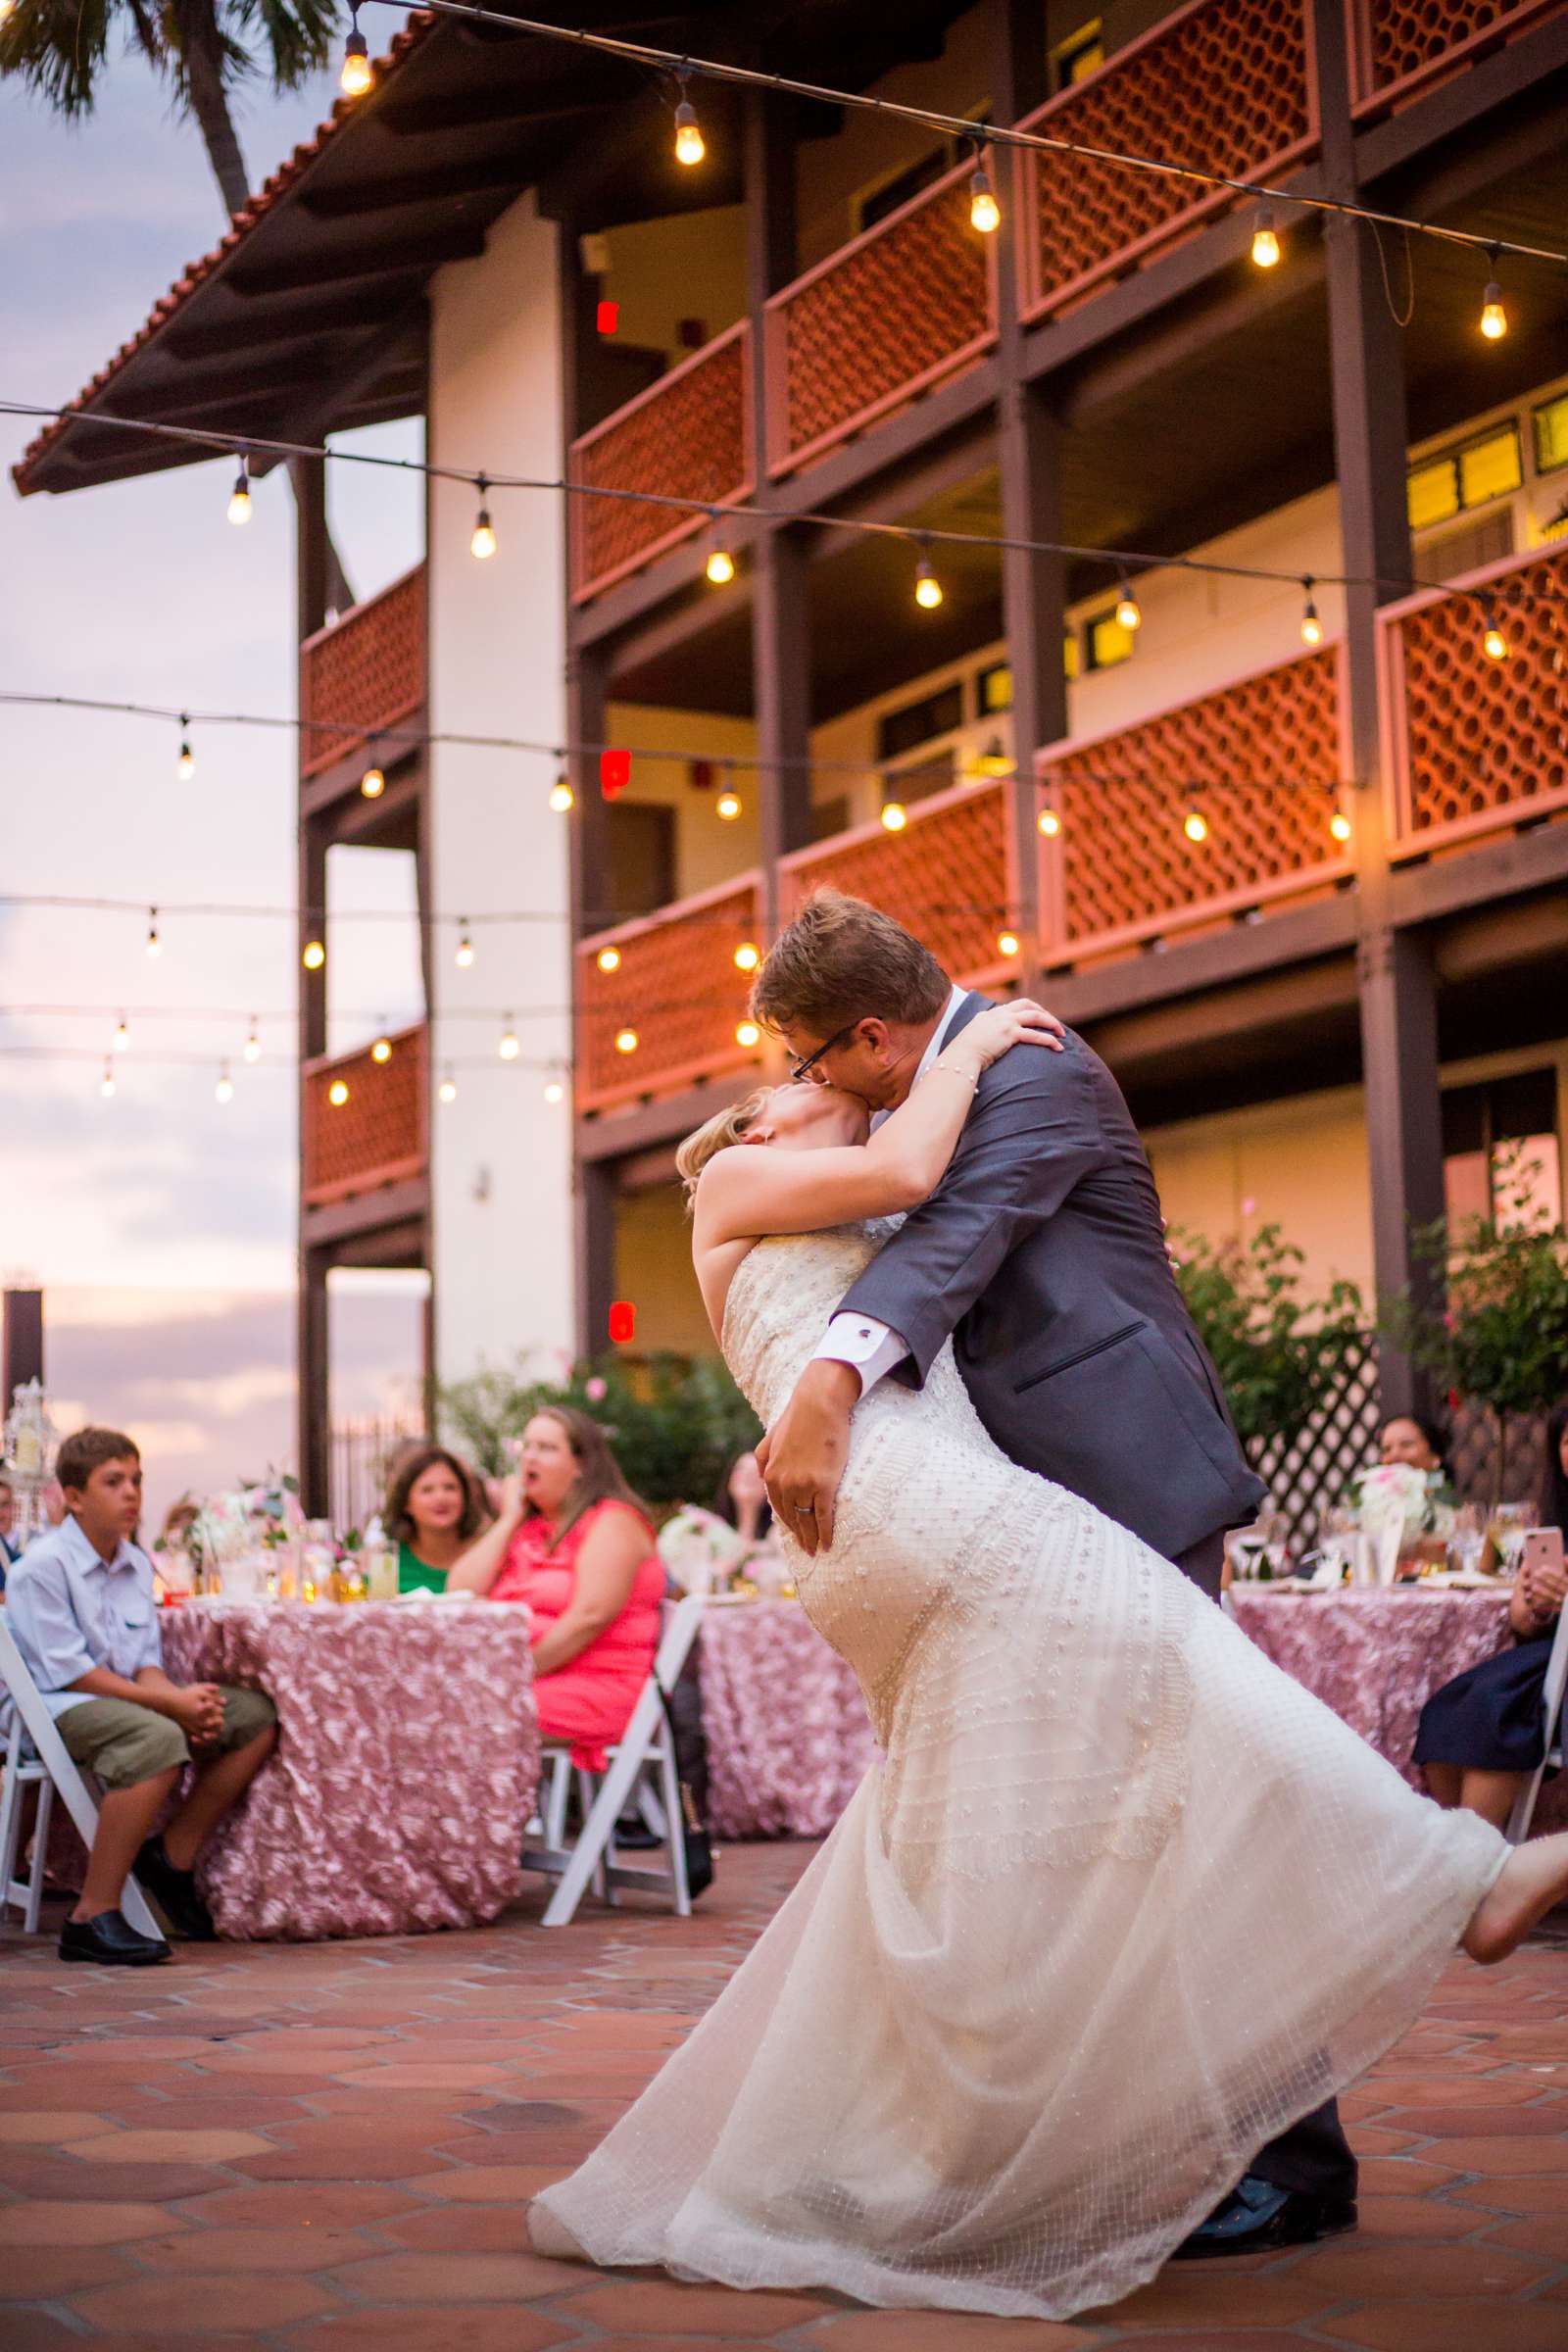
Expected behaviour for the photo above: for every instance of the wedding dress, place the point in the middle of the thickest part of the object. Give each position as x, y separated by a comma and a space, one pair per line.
1116, 1903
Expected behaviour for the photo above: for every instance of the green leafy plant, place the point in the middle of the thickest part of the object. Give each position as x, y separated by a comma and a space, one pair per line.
1277, 1345
674, 1421
1498, 1338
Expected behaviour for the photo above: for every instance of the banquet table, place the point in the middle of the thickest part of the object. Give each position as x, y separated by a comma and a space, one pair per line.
1375, 1656
788, 1735
406, 1766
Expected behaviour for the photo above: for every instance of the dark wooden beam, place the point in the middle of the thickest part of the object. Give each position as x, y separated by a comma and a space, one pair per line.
185, 393
334, 314
388, 1219
346, 263
400, 191
1269, 1000
663, 1120
500, 104
1524, 66
1535, 859
1188, 968
356, 373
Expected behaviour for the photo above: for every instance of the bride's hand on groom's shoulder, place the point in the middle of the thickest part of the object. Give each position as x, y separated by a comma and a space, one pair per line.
1020, 1021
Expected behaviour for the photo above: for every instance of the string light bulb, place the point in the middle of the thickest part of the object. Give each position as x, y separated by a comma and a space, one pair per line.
373, 781
482, 545
721, 565
447, 1091
313, 955
185, 764
1195, 825
985, 213
1049, 823
625, 1041
747, 1034
1340, 825
239, 498
609, 959
464, 955
895, 817
1493, 315
155, 945
381, 1051
121, 1036
106, 1084
337, 1094
356, 77
1128, 616
1312, 625
927, 587
1493, 643
555, 1090
1265, 238
252, 1044
690, 147
748, 956
1007, 943
560, 797
509, 1048
223, 1091
728, 803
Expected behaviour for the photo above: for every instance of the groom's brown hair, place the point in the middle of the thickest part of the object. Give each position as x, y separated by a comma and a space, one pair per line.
840, 960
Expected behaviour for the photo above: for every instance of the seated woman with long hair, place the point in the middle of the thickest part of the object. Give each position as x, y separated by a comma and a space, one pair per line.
433, 1514
575, 1544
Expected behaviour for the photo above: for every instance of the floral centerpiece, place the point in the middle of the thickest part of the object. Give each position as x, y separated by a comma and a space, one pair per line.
260, 1516
700, 1550
1397, 1490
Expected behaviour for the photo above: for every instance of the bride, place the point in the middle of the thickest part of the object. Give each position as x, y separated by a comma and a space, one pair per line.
1117, 1900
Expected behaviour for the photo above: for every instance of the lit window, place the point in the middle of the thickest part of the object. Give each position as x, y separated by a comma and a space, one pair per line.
1069, 653
995, 688
1431, 493
1076, 58
1552, 434
1490, 469
1108, 642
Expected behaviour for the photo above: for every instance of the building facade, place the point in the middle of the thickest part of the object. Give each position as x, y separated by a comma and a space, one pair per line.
1307, 898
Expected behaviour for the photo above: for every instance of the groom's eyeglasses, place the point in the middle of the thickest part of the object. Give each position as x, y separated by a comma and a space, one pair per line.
799, 1070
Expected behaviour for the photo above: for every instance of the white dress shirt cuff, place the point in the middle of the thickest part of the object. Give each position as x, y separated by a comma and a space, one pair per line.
865, 1342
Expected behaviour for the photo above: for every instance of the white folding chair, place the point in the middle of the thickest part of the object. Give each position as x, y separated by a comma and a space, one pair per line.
642, 1761
36, 1757
1552, 1699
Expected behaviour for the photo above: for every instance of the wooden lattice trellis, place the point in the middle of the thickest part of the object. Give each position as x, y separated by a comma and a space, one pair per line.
1402, 43
368, 669
685, 437
1260, 760
377, 1136
677, 987
945, 875
1478, 743
902, 306
1473, 1456
1307, 1470
1224, 79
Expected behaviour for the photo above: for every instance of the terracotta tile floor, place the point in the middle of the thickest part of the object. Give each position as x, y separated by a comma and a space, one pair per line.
329, 2148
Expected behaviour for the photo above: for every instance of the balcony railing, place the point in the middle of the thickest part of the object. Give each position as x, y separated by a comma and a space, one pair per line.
1260, 764
674, 991
1400, 45
376, 1133
1478, 745
896, 311
368, 669
687, 436
1228, 82
950, 875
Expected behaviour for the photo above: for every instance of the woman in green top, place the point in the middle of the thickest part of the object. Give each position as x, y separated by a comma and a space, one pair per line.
432, 1514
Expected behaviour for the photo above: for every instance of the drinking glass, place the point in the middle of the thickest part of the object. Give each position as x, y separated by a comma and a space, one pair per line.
1467, 1538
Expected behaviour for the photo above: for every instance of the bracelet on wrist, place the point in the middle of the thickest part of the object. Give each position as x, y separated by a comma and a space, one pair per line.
950, 1069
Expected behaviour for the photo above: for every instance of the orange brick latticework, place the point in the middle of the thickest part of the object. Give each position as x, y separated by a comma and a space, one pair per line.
1404, 40
897, 309
1225, 85
1260, 764
677, 988
685, 438
377, 1136
946, 876
1484, 737
369, 670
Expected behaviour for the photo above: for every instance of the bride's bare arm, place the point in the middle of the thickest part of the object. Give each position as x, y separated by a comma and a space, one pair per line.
755, 1189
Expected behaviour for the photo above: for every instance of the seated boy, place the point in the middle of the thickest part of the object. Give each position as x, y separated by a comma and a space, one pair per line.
80, 1604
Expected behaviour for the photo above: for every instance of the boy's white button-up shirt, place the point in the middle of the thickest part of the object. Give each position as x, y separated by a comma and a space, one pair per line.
69, 1611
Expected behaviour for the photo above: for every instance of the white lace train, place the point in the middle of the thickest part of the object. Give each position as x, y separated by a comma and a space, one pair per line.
1117, 1902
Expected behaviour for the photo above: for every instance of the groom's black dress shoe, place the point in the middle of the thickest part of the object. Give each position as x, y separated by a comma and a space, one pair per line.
175, 1892
111, 1941
1257, 2216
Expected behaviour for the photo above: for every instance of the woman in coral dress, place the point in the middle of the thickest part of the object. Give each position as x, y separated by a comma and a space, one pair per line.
574, 1542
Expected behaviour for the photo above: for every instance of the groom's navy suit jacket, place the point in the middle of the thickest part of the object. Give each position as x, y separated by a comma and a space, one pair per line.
1043, 1254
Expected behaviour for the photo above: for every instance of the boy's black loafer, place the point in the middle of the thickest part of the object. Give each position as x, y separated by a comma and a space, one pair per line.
175, 1892
111, 1941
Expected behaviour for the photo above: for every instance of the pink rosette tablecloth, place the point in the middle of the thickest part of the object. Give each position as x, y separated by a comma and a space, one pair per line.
406, 1766
1376, 1657
788, 1735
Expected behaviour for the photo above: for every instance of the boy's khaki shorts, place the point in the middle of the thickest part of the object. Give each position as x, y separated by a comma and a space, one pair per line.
125, 1743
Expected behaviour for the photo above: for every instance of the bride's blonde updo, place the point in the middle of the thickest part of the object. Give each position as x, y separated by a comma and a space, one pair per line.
725, 1127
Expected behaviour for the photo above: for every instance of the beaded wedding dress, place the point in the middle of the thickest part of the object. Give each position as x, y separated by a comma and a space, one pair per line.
1116, 1903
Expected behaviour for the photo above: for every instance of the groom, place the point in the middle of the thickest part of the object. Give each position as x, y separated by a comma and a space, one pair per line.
1042, 1256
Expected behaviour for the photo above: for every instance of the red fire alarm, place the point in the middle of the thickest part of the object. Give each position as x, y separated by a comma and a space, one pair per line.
614, 772
607, 317
622, 1321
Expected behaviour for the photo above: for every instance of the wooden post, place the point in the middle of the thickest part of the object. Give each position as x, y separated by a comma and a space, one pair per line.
1397, 988
313, 588
315, 1397
595, 1234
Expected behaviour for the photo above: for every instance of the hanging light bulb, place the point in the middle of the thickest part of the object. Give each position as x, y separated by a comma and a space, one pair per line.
1312, 626
609, 959
560, 796
728, 803
1127, 614
447, 1091
373, 781
1007, 943
1340, 825
106, 1084
927, 587
689, 144
223, 1091
381, 1051
625, 1041
895, 817
483, 543
509, 1048
155, 945
748, 956
1049, 823
1493, 643
555, 1090
239, 498
185, 764
1265, 238
1195, 825
355, 76
252, 1044
337, 1094
122, 1037
721, 565
985, 213
313, 955
1494, 315
747, 1034
464, 948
